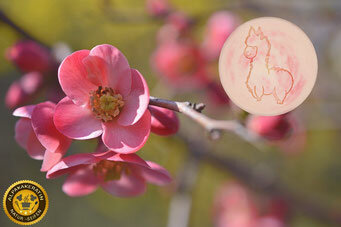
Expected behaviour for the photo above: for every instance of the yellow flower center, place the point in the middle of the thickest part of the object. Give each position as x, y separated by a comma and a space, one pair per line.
110, 170
105, 103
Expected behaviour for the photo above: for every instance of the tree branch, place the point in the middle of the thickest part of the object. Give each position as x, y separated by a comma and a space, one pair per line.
213, 127
6, 20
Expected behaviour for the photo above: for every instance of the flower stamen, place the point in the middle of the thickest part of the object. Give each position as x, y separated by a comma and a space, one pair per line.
110, 170
105, 103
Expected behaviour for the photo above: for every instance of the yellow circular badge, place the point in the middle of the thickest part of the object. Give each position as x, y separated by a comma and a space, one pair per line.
25, 202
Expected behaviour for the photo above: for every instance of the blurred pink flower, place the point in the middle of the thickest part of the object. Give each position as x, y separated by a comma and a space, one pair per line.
219, 26
284, 131
104, 97
233, 207
29, 56
167, 33
180, 21
278, 208
36, 133
181, 64
270, 127
24, 89
164, 121
296, 141
269, 221
217, 94
157, 8
122, 175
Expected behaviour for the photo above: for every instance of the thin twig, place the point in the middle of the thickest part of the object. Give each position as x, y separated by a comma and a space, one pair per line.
5, 19
214, 127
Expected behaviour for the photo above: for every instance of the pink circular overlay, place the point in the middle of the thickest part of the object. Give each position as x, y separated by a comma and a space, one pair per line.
268, 66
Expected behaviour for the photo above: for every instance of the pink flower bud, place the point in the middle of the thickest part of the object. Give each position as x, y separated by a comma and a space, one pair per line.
29, 56
181, 64
270, 127
219, 26
164, 122
23, 89
157, 8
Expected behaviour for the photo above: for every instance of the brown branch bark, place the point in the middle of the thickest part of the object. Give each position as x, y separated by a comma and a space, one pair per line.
6, 20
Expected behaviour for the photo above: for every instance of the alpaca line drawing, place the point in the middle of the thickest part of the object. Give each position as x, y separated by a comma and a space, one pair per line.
263, 79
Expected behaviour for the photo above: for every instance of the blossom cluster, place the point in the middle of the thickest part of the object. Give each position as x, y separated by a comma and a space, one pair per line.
181, 60
105, 99
39, 68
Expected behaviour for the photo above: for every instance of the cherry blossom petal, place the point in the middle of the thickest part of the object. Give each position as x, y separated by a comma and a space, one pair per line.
50, 159
97, 70
25, 137
129, 158
43, 126
119, 75
23, 130
73, 78
82, 181
76, 122
70, 163
34, 148
127, 186
24, 111
156, 174
137, 102
24, 89
127, 139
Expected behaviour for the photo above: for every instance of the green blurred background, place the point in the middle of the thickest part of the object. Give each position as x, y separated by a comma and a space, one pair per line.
82, 24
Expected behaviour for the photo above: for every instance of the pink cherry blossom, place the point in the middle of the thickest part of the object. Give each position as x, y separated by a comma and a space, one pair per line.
157, 8
104, 97
122, 175
36, 133
219, 26
29, 56
24, 89
167, 33
164, 121
180, 63
270, 127
234, 207
283, 131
